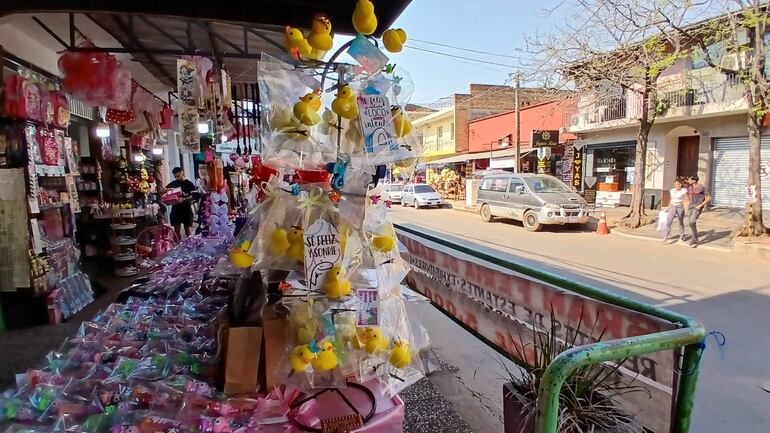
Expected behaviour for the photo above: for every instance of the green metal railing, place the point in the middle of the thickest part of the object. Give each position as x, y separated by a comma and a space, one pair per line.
690, 336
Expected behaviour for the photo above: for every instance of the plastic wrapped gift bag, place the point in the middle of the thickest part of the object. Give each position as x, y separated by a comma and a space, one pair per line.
290, 141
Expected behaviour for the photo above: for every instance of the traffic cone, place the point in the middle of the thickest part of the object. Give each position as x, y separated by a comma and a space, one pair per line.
602, 228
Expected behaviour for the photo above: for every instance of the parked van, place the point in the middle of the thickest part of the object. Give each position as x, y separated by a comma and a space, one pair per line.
533, 199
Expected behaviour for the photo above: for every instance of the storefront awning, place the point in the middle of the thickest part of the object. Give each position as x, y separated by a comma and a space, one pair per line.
471, 156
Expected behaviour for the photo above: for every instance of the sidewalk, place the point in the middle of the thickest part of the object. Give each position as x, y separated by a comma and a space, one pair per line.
714, 228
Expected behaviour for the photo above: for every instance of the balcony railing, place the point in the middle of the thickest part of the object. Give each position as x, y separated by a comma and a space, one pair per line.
432, 144
687, 95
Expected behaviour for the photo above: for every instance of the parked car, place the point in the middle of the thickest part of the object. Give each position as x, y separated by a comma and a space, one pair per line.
392, 192
533, 199
421, 195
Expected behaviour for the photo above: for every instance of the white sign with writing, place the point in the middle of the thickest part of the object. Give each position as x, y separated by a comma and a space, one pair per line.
751, 194
764, 169
322, 251
377, 128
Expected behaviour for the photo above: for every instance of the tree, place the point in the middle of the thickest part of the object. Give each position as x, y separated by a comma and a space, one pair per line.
613, 44
741, 33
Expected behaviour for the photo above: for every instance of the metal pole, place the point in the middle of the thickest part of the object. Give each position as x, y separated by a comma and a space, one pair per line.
518, 124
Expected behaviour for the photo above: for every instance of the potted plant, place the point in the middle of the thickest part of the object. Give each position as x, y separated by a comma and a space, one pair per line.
587, 400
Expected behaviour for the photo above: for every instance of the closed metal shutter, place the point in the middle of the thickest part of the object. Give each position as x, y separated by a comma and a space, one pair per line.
731, 172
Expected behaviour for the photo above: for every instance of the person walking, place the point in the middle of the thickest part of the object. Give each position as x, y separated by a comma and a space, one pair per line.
676, 209
699, 198
182, 211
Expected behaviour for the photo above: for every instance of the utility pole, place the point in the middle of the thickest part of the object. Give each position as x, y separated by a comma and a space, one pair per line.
517, 166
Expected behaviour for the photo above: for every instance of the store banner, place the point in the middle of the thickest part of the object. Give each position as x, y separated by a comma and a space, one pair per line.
577, 169
502, 306
187, 90
545, 138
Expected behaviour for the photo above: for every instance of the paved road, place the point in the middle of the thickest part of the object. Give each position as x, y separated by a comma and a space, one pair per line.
727, 292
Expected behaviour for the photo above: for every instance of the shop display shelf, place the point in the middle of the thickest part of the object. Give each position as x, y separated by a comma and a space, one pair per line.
124, 257
123, 240
127, 271
124, 226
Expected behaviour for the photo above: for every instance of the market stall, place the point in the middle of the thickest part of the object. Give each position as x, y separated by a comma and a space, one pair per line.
297, 320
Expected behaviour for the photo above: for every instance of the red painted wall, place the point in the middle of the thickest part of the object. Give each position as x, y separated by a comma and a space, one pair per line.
549, 115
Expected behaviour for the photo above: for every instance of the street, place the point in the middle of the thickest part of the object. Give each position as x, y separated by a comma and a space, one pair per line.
727, 292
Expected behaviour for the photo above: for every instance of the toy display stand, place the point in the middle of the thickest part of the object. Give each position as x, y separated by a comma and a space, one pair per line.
124, 242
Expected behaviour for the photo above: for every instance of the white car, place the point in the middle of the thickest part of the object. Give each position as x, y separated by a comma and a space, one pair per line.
392, 192
420, 195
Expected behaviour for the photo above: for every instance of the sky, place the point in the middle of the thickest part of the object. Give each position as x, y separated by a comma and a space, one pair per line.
496, 26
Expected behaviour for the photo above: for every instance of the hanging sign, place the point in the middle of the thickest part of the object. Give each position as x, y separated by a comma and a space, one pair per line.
377, 126
577, 169
322, 251
545, 138
543, 153
187, 84
751, 194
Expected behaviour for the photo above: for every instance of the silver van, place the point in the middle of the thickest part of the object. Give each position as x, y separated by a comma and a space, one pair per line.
533, 199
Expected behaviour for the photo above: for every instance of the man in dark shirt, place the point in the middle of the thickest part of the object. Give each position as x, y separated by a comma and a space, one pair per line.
699, 199
181, 211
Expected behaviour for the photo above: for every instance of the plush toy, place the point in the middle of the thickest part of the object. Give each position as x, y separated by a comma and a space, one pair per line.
399, 355
300, 358
306, 110
394, 40
364, 19
296, 248
373, 340
336, 284
326, 359
279, 242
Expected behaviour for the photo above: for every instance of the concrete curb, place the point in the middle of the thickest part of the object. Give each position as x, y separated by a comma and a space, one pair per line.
647, 238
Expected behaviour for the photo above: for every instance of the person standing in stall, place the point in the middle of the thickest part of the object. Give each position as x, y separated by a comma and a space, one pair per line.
182, 211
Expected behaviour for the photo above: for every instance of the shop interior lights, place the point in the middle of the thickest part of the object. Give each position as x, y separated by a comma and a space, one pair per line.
103, 130
139, 157
203, 127
157, 150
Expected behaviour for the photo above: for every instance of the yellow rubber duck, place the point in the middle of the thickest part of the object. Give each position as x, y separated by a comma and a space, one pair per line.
279, 242
282, 118
240, 256
364, 19
296, 248
320, 33
374, 341
394, 40
326, 359
345, 103
399, 355
301, 357
400, 123
296, 42
336, 284
306, 110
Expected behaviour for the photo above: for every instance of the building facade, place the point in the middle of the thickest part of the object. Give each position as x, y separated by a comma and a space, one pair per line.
700, 129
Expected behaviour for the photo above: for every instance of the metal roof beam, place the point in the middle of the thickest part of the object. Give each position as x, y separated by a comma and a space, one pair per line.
50, 32
163, 32
128, 30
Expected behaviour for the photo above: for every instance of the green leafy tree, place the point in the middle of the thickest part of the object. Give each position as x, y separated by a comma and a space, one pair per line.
609, 46
741, 34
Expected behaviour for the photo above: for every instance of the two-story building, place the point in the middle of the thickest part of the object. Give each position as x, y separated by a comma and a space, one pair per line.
700, 129
445, 131
492, 139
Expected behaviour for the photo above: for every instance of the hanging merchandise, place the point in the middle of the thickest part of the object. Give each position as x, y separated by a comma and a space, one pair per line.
187, 105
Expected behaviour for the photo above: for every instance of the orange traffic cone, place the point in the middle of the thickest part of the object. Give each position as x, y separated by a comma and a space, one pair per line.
602, 228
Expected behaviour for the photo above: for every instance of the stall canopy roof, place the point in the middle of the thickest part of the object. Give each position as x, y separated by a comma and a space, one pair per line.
297, 13
472, 156
233, 34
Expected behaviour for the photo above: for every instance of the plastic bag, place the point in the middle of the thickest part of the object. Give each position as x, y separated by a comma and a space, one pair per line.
290, 141
662, 219
278, 244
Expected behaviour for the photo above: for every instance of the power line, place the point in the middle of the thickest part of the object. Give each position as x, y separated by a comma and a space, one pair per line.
459, 57
466, 49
